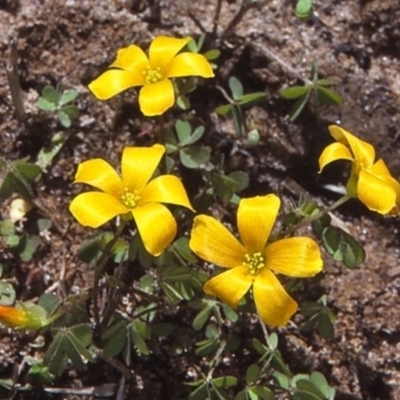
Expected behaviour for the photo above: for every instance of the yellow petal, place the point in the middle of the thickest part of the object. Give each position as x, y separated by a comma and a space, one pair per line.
379, 168
189, 64
298, 257
273, 304
333, 152
212, 242
113, 82
156, 98
96, 208
165, 189
255, 218
99, 174
230, 286
133, 59
163, 49
364, 153
12, 317
156, 226
375, 193
138, 165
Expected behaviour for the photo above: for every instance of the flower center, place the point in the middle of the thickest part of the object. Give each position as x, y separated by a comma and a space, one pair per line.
152, 75
254, 262
129, 199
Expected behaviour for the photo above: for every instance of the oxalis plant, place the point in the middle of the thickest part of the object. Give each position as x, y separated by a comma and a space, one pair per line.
215, 277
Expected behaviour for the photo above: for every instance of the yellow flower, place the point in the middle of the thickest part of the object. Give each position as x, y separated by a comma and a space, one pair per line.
253, 262
133, 68
370, 181
22, 318
132, 193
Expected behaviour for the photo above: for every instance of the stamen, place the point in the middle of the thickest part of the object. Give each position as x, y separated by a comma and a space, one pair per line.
129, 199
152, 75
255, 262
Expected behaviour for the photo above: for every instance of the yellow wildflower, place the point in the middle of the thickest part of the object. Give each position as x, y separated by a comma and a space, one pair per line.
370, 181
253, 262
132, 193
133, 68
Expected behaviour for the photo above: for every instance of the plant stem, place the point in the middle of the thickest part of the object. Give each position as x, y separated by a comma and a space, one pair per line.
13, 82
99, 268
313, 218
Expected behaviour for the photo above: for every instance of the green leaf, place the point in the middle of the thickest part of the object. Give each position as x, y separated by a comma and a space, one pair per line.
236, 87
68, 96
138, 338
72, 111
325, 326
194, 156
281, 379
49, 302
252, 374
230, 313
27, 170
7, 294
27, 246
56, 357
194, 137
225, 381
39, 375
262, 392
206, 347
183, 102
241, 180
320, 382
328, 96
259, 347
114, 339
294, 92
51, 94
203, 316
64, 118
183, 130
221, 188
8, 185
44, 224
303, 9
251, 99
46, 105
325, 82
308, 385
46, 154
224, 110
299, 394
343, 247
181, 245
238, 120
298, 106
273, 341
7, 228
213, 54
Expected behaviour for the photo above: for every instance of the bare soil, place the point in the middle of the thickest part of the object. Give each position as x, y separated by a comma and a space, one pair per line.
355, 42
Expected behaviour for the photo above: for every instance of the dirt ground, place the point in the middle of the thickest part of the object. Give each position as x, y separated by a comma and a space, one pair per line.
355, 42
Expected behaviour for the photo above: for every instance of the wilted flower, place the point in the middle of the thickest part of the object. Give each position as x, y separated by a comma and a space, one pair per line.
370, 181
132, 193
253, 262
28, 316
133, 68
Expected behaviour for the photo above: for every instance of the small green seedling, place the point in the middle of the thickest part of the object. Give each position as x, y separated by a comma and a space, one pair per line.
315, 88
303, 10
237, 103
191, 154
57, 100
